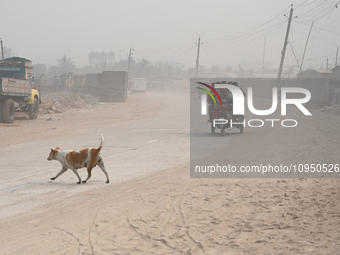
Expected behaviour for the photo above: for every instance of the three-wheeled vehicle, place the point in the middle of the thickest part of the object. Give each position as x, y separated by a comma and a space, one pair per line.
222, 117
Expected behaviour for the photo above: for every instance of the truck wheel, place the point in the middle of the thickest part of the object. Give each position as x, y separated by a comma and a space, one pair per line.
33, 109
1, 104
8, 111
212, 127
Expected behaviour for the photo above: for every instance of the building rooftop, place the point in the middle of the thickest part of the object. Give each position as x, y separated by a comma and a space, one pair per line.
323, 71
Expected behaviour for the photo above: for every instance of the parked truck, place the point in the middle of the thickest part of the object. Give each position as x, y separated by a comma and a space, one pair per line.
138, 85
78, 84
91, 84
16, 92
112, 86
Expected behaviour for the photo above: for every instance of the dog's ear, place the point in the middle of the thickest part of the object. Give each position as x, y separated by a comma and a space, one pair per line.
57, 148
52, 150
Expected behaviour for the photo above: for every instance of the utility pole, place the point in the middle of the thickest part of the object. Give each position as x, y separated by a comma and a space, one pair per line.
129, 62
2, 50
264, 50
283, 53
327, 64
336, 58
198, 54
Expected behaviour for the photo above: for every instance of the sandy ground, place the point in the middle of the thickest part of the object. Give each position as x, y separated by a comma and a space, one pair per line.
152, 206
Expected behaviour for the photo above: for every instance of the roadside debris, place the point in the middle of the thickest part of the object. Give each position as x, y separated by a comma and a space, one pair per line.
57, 102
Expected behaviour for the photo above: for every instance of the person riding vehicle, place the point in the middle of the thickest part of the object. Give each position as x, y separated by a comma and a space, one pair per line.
226, 98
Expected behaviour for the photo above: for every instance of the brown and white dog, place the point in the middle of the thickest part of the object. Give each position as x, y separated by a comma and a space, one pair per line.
73, 160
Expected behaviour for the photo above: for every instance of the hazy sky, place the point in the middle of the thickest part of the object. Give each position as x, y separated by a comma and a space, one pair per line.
232, 31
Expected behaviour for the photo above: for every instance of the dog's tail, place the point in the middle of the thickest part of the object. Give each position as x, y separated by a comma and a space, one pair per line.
101, 143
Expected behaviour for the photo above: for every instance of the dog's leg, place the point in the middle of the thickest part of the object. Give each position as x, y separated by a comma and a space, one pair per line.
76, 173
89, 170
63, 170
102, 167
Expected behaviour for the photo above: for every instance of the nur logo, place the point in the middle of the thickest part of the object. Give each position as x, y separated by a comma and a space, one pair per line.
238, 101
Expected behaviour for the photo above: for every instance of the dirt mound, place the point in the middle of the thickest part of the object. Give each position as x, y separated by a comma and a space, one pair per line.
57, 102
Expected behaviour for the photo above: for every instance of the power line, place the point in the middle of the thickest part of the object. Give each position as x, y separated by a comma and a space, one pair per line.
304, 51
324, 23
296, 59
303, 4
311, 12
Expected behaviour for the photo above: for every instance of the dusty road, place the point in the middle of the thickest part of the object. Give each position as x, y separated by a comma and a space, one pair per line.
151, 205
141, 136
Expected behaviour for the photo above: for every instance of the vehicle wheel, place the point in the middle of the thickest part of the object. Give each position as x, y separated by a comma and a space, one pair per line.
1, 105
241, 128
33, 109
8, 111
223, 130
212, 127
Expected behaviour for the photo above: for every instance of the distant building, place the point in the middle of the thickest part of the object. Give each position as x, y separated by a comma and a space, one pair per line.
336, 73
92, 59
101, 59
111, 58
316, 74
8, 52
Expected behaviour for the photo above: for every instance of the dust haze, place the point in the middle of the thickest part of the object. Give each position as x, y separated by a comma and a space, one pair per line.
232, 33
138, 73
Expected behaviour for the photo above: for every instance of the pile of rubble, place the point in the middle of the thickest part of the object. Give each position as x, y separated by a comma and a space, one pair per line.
57, 102
335, 109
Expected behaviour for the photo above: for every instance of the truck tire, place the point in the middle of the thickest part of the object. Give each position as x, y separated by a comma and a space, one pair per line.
1, 106
212, 127
8, 111
33, 109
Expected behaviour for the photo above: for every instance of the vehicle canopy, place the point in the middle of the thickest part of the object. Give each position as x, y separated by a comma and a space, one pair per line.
16, 67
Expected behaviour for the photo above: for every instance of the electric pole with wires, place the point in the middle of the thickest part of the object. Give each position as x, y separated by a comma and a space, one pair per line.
283, 53
198, 54
129, 62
